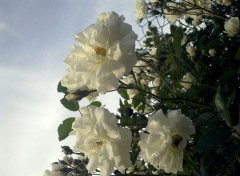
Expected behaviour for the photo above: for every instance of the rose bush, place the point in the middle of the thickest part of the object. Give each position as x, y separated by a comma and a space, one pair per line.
179, 107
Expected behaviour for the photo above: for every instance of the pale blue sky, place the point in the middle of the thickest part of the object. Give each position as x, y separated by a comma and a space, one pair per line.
35, 38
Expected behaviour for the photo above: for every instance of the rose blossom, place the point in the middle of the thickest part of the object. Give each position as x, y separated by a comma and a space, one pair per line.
97, 136
224, 2
232, 26
212, 52
105, 52
166, 139
140, 10
191, 51
170, 13
187, 80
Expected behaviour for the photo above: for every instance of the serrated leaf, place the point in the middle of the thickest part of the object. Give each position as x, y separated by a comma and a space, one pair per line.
222, 109
69, 104
96, 103
65, 128
61, 88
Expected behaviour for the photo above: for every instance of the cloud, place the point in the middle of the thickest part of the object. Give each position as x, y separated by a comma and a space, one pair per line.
34, 40
30, 113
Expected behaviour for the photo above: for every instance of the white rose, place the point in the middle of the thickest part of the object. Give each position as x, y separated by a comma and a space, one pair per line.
196, 20
232, 26
105, 52
140, 10
191, 51
132, 92
156, 82
153, 51
187, 80
224, 2
97, 136
202, 3
166, 139
212, 52
184, 40
170, 13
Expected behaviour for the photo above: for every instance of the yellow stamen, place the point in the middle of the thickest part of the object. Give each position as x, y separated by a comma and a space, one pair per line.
99, 143
176, 139
100, 51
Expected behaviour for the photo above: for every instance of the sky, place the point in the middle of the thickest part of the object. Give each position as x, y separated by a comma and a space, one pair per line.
35, 38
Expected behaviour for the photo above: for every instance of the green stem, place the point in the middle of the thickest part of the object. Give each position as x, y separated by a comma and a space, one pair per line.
177, 99
162, 78
188, 101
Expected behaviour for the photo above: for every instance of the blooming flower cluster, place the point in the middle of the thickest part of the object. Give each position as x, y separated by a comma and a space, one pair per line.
166, 139
174, 72
106, 145
105, 52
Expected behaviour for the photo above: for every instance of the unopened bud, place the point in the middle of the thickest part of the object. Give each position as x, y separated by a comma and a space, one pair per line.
67, 159
212, 52
72, 96
128, 112
66, 150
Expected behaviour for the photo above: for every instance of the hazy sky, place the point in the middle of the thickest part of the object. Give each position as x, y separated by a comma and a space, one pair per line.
35, 38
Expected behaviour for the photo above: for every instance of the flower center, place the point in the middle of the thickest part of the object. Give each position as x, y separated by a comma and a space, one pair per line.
100, 143
176, 139
100, 51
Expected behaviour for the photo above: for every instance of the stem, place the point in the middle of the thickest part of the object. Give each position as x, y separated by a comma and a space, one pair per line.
166, 99
139, 89
163, 79
188, 101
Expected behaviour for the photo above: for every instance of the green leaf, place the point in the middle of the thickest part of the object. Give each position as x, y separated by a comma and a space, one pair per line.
82, 93
222, 109
171, 61
211, 139
177, 33
96, 103
237, 55
61, 88
207, 119
70, 105
123, 93
137, 99
230, 99
65, 128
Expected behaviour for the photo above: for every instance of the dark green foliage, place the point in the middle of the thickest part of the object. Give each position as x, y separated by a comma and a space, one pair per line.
65, 128
70, 104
